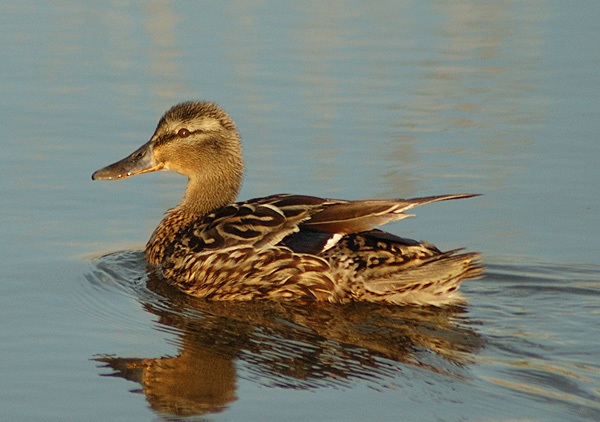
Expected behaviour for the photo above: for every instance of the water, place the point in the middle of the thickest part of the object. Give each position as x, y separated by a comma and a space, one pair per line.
336, 100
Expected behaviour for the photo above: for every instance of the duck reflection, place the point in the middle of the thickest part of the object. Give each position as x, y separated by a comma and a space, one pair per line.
283, 345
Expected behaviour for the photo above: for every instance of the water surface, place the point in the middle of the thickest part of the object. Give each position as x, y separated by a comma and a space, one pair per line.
334, 100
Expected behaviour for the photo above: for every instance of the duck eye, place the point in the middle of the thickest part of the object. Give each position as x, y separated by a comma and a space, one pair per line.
183, 133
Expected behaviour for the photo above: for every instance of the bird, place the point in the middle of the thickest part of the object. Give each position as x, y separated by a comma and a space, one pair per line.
282, 247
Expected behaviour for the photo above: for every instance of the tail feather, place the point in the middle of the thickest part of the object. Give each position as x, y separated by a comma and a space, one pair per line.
362, 215
434, 282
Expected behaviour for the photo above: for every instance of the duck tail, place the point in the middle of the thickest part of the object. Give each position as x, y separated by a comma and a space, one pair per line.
433, 282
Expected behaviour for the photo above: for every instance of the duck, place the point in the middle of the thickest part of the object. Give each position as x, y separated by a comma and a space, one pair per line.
282, 247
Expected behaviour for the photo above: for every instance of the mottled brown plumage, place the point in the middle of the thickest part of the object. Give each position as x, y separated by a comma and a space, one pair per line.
281, 247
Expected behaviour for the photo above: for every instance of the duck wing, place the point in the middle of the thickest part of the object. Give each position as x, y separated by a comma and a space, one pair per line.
257, 224
302, 223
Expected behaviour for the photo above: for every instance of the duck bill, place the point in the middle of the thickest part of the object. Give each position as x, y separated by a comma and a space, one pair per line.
140, 161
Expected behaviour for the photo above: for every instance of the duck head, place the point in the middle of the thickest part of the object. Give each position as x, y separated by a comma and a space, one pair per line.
198, 140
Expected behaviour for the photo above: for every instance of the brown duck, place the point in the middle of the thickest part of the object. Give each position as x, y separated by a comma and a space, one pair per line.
280, 247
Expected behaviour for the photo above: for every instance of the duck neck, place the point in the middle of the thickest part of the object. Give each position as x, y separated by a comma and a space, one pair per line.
205, 194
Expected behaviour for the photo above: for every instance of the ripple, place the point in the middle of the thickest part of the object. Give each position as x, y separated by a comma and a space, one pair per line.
112, 290
540, 322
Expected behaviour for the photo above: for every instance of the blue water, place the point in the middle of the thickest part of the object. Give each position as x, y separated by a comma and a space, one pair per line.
334, 99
